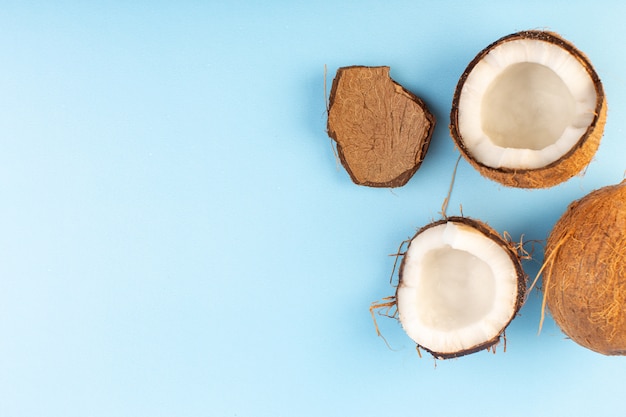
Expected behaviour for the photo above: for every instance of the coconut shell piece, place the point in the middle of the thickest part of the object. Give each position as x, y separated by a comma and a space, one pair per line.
382, 130
585, 271
568, 165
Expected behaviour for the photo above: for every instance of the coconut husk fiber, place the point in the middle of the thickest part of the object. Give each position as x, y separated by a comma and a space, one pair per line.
381, 129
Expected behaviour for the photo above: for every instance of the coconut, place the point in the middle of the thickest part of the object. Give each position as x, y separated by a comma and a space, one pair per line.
460, 285
529, 110
585, 271
382, 130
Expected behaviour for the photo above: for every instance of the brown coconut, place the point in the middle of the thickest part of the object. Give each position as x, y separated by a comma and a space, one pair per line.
576, 155
456, 286
585, 271
381, 129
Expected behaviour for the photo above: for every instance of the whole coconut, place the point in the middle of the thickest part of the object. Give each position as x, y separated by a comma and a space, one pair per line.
585, 271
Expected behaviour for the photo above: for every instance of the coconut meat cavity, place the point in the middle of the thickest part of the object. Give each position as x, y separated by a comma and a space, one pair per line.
458, 288
525, 105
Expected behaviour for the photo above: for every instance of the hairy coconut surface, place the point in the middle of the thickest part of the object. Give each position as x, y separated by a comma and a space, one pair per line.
529, 111
585, 271
460, 286
381, 129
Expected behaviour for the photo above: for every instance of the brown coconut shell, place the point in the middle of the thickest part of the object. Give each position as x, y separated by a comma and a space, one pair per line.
490, 233
570, 164
381, 129
585, 271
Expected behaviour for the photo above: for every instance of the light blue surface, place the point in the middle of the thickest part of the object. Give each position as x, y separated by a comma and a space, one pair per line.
176, 238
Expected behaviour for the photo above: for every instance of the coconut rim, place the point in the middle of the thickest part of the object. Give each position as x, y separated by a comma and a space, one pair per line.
535, 35
491, 234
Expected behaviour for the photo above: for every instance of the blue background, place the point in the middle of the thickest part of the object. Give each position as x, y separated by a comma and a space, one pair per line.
177, 239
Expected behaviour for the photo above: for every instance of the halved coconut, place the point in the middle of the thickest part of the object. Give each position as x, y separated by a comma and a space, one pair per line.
529, 110
460, 286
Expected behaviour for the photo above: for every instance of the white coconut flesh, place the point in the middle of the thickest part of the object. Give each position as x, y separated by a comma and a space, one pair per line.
458, 289
525, 105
